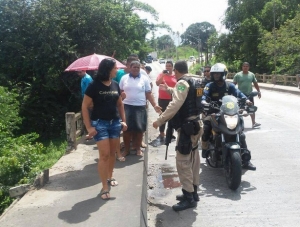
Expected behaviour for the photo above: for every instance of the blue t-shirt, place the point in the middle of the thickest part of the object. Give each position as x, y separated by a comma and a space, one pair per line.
85, 81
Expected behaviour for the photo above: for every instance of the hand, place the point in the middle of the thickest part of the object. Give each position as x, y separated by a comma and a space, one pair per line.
124, 126
92, 131
163, 86
157, 109
248, 102
259, 94
155, 125
123, 95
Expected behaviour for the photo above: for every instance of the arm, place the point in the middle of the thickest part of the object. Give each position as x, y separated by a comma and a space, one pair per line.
160, 79
121, 110
86, 103
180, 93
257, 88
206, 93
149, 97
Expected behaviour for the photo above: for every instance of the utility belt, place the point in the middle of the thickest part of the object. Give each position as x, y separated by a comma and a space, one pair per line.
188, 128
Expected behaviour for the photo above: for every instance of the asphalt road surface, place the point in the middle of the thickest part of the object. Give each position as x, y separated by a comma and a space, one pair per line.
269, 196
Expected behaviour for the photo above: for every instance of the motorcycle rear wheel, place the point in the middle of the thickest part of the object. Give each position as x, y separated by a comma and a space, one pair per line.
234, 171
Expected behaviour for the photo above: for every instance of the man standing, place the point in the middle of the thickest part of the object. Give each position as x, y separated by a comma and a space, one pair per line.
244, 80
86, 79
186, 104
206, 75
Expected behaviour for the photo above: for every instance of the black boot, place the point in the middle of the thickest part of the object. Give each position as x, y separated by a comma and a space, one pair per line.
189, 202
248, 165
195, 195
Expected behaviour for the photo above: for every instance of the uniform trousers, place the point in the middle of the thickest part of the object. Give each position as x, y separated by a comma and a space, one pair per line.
188, 166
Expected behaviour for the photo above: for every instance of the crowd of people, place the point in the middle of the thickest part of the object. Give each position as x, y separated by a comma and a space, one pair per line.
116, 100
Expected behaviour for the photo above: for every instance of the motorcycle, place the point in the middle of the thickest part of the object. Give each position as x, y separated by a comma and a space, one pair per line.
225, 149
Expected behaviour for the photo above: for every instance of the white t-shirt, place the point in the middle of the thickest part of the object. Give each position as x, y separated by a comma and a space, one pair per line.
135, 89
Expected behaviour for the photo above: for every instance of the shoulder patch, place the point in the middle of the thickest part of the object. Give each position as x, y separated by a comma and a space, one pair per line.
181, 87
206, 88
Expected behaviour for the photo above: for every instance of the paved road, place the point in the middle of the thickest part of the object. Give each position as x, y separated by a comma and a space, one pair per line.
267, 197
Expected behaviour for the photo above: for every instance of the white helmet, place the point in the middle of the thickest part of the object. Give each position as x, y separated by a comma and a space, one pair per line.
218, 68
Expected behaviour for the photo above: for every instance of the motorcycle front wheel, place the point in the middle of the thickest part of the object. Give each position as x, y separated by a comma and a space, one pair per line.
234, 170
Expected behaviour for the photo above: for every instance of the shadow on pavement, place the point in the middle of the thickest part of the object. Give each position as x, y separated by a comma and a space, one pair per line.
74, 180
169, 217
213, 183
81, 211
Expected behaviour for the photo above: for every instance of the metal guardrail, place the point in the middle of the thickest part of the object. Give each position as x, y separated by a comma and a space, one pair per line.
286, 80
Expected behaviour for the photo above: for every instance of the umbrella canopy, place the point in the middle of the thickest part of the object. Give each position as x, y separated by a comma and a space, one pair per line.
90, 62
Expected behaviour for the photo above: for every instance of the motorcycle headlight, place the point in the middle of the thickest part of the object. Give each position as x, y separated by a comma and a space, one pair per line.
231, 121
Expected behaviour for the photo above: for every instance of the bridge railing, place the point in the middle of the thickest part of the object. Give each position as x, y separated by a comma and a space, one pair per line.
287, 80
74, 129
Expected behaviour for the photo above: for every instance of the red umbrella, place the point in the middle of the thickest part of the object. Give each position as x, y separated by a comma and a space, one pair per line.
90, 62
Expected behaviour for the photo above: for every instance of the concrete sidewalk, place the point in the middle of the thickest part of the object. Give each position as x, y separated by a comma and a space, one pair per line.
72, 195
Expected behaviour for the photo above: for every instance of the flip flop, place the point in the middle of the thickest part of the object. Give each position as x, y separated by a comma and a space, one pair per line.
121, 159
112, 182
140, 153
106, 193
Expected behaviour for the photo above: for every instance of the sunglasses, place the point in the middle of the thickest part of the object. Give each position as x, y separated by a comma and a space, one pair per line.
206, 71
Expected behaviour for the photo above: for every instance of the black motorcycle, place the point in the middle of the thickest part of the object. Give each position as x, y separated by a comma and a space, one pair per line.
225, 142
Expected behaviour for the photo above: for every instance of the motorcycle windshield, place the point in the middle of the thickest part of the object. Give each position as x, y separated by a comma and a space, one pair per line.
229, 105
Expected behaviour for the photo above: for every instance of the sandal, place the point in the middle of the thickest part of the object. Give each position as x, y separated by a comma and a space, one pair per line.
112, 182
106, 193
139, 153
121, 159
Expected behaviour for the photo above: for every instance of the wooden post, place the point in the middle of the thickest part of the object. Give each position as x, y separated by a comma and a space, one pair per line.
273, 79
264, 78
71, 131
285, 79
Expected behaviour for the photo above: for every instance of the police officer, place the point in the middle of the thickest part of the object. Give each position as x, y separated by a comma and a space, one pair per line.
215, 91
184, 109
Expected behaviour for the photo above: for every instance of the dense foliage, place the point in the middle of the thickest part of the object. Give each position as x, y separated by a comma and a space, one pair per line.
262, 32
40, 38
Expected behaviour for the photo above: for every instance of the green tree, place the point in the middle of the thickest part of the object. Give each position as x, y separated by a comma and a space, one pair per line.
197, 36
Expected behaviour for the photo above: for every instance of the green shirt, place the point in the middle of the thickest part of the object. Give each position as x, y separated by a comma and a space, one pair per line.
244, 81
120, 74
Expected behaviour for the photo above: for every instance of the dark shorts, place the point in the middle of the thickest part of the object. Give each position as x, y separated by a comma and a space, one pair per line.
136, 118
106, 129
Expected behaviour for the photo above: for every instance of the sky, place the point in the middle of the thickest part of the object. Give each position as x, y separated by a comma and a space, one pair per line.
180, 14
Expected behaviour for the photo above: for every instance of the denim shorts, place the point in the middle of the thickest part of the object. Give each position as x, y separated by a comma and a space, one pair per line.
106, 129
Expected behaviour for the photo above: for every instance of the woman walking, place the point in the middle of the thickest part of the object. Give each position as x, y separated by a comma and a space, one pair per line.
107, 119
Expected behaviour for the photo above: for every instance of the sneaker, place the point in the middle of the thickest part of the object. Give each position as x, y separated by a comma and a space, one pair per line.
255, 125
249, 166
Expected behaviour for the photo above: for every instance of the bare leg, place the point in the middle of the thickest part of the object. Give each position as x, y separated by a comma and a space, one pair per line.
103, 164
112, 158
126, 139
118, 151
137, 142
253, 118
